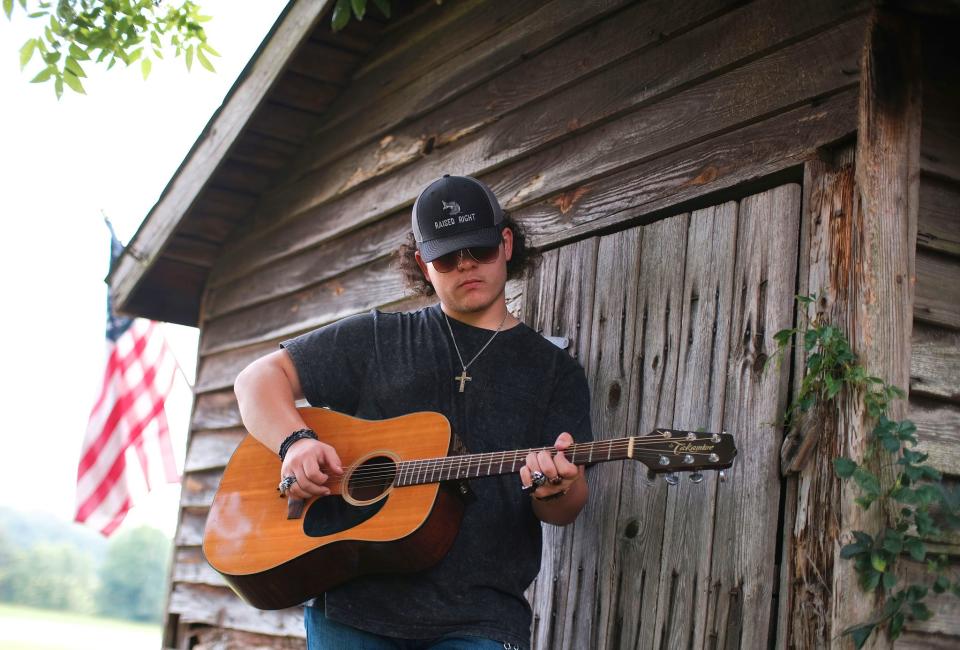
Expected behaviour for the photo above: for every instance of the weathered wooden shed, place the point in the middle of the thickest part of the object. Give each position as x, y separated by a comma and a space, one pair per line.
686, 168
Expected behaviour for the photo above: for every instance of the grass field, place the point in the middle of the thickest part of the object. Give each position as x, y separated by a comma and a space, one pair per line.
26, 628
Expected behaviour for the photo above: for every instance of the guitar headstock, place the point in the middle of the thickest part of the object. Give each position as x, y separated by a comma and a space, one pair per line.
666, 451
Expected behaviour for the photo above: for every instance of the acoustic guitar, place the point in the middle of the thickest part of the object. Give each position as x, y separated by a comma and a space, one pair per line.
387, 513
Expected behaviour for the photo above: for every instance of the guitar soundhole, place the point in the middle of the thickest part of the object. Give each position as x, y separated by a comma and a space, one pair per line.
371, 479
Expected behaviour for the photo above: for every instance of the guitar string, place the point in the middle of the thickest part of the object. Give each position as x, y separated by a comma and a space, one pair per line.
489, 458
434, 476
380, 472
442, 464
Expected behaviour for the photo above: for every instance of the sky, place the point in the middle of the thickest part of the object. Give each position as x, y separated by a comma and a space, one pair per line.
63, 166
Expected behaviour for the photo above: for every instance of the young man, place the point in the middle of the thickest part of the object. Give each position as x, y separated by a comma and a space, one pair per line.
501, 386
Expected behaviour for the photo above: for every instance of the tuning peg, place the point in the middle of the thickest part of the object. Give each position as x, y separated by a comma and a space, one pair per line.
696, 477
671, 478
723, 476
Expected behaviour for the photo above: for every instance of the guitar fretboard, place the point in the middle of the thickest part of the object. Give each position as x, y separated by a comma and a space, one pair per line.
435, 470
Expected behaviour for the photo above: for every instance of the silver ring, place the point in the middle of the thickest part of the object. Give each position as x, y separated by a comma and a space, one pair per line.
286, 483
537, 479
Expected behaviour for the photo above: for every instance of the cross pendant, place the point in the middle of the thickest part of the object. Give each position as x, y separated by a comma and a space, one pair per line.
464, 377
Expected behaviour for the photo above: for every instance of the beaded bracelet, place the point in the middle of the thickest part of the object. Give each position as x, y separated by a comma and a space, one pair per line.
299, 434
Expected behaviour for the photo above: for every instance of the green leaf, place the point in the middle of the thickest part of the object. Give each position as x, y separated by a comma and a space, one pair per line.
73, 66
941, 584
44, 74
79, 53
851, 550
920, 611
204, 61
916, 548
906, 428
783, 337
208, 49
844, 467
833, 386
74, 83
145, 67
58, 87
871, 580
891, 444
188, 57
155, 39
134, 56
341, 15
863, 538
359, 8
903, 494
889, 580
383, 6
927, 494
867, 481
925, 525
896, 625
878, 562
892, 542
8, 8
860, 633
26, 52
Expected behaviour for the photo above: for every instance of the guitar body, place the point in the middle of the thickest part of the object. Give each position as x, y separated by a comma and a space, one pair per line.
365, 526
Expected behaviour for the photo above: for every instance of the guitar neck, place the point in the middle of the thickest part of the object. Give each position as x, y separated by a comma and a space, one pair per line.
450, 468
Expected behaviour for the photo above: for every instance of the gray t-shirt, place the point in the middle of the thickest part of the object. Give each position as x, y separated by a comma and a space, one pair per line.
523, 393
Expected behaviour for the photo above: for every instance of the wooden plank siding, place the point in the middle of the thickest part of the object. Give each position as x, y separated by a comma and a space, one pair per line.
645, 90
655, 153
692, 176
935, 357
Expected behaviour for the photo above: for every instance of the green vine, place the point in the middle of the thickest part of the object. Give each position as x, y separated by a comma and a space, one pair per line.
924, 507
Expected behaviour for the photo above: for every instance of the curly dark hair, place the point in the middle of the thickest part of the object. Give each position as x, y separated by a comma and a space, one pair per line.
520, 262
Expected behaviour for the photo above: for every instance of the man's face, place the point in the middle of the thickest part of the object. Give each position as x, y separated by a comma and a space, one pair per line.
471, 287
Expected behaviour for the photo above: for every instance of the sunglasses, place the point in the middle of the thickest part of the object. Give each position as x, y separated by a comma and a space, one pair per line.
479, 254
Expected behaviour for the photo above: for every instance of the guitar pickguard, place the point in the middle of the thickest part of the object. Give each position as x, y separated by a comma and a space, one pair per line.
332, 514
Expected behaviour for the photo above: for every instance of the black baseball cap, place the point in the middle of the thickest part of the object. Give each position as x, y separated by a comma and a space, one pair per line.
455, 212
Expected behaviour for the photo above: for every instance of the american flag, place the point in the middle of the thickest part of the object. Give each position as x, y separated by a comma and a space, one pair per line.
127, 449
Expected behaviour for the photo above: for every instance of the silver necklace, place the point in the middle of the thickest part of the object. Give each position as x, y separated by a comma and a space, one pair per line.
464, 377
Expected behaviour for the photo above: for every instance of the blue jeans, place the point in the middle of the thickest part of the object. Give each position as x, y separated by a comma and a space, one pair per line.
324, 634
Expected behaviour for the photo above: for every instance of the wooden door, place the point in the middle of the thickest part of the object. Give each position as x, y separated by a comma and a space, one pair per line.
674, 323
